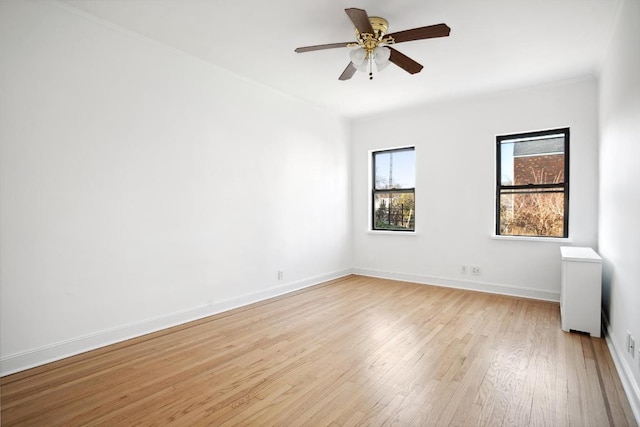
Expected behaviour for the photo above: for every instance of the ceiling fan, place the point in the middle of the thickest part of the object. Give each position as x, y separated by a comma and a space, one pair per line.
373, 44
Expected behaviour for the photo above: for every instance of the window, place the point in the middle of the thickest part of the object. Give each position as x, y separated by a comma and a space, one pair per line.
532, 184
394, 182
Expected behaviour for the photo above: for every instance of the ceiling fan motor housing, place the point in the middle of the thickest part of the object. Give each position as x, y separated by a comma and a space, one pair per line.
380, 29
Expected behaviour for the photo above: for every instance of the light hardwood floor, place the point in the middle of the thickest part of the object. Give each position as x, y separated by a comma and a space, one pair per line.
355, 351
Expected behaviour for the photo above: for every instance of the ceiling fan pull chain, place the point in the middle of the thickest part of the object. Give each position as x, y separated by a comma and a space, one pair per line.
370, 68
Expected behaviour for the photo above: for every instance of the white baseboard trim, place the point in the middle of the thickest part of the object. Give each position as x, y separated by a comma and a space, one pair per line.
29, 359
629, 383
472, 285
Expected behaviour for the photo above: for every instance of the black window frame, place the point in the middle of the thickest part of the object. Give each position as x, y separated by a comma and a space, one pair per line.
534, 188
374, 191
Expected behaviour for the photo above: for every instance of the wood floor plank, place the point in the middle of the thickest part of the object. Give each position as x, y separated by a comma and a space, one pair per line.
620, 410
354, 351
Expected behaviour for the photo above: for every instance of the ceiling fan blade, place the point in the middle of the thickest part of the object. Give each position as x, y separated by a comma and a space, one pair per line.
322, 47
360, 19
404, 62
429, 32
348, 72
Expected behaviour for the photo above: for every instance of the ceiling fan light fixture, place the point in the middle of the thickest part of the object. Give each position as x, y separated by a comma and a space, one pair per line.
383, 65
381, 57
358, 56
364, 67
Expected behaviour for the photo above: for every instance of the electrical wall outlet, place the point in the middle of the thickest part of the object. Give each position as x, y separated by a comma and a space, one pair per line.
463, 269
475, 270
280, 274
632, 346
628, 342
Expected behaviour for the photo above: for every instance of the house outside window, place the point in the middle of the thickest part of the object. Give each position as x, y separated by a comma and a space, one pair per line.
393, 190
532, 188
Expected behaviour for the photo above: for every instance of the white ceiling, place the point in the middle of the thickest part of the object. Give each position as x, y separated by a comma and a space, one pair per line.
494, 44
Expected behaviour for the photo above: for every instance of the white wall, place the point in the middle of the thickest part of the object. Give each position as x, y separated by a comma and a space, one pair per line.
141, 187
455, 162
619, 222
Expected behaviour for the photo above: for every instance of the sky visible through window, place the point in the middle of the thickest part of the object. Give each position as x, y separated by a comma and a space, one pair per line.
506, 160
396, 168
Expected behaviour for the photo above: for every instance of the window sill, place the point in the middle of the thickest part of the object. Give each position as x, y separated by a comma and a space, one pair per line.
392, 232
534, 239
